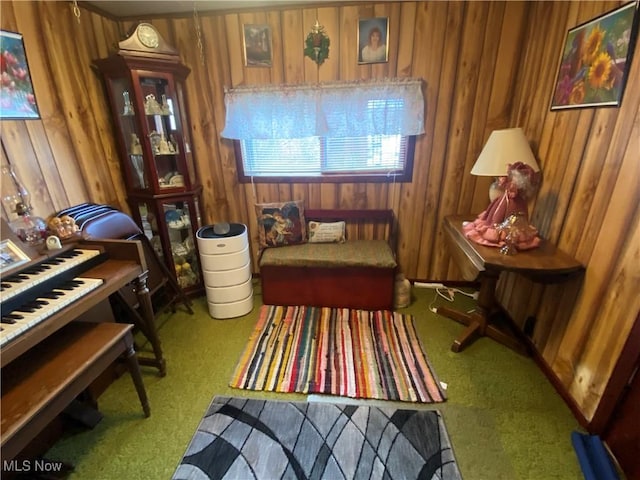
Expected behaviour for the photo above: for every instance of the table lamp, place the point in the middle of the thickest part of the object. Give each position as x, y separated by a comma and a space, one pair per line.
503, 147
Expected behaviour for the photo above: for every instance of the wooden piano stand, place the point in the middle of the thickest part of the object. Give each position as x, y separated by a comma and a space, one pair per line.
40, 384
485, 264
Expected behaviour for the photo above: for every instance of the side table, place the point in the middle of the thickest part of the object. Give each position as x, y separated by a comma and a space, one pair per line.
544, 264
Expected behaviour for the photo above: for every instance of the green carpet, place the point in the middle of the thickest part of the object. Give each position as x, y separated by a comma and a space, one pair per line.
504, 418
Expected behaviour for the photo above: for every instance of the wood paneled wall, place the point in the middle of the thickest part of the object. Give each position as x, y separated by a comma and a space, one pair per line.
485, 65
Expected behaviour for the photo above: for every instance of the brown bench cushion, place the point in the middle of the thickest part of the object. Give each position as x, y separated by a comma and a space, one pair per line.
354, 253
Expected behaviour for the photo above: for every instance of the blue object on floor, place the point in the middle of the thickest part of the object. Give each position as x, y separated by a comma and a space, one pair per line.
593, 457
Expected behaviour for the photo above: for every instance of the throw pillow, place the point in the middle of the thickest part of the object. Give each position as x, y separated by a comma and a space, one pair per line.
281, 224
332, 232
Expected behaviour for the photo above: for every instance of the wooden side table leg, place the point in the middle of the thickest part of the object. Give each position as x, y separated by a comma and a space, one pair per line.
134, 370
467, 337
506, 340
460, 317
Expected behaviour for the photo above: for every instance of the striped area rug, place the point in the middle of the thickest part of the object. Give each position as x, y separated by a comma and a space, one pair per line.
350, 353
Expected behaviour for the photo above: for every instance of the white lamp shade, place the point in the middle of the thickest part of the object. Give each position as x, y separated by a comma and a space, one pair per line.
503, 148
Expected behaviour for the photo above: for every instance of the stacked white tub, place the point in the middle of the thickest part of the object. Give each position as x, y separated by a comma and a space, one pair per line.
226, 268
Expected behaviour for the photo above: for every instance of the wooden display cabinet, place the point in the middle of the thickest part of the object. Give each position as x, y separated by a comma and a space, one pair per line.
145, 85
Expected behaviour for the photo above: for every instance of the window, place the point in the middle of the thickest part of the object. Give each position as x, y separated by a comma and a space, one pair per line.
316, 159
329, 133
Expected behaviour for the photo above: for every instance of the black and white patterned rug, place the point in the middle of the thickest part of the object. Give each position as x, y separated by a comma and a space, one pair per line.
241, 438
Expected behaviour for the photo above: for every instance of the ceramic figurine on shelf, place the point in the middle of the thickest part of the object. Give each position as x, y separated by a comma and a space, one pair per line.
174, 144
164, 108
151, 105
136, 146
177, 180
185, 275
164, 147
154, 137
128, 108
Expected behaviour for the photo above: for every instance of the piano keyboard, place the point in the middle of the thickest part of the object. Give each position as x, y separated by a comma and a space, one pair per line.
20, 319
12, 285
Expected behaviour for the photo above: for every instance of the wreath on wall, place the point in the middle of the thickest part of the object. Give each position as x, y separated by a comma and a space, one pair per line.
317, 44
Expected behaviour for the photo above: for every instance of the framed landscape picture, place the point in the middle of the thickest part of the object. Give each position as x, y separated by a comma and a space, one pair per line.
17, 100
257, 45
595, 60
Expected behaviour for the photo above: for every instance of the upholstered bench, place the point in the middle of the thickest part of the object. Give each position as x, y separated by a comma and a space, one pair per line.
358, 273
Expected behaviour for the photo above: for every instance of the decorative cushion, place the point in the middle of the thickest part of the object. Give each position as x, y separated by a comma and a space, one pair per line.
331, 232
353, 253
281, 224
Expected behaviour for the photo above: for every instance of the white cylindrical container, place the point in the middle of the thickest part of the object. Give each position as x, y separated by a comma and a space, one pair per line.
232, 309
227, 278
226, 269
225, 261
229, 294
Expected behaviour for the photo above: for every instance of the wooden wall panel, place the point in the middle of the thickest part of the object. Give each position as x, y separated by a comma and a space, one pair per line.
485, 66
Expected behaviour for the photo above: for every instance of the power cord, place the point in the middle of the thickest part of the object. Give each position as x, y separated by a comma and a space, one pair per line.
448, 294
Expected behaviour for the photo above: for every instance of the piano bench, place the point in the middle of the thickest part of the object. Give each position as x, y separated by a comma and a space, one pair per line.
40, 384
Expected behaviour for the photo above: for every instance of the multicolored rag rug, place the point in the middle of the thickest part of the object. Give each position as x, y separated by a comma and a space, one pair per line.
350, 353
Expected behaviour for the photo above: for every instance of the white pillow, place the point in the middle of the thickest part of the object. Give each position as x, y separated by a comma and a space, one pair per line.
332, 232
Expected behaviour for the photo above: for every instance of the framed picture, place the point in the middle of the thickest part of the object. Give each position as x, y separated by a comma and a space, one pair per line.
373, 34
257, 45
11, 256
17, 100
595, 60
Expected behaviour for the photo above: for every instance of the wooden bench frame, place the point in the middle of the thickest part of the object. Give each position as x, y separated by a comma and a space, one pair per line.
366, 288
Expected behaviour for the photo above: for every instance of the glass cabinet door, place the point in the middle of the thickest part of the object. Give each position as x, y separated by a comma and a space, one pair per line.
175, 221
163, 130
130, 134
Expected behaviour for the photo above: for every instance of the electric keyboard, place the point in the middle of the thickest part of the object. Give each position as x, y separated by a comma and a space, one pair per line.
12, 285
40, 288
27, 315
42, 291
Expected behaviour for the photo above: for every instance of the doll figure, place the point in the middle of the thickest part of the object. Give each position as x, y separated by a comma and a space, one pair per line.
518, 185
68, 226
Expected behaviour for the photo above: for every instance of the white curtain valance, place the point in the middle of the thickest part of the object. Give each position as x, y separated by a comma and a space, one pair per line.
338, 109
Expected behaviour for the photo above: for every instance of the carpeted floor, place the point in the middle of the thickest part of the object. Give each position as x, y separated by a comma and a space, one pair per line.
249, 439
337, 351
504, 418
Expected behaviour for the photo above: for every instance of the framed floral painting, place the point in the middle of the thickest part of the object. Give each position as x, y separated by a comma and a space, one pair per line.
596, 59
17, 100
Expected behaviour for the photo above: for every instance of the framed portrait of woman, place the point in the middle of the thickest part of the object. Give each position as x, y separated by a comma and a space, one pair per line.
373, 36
